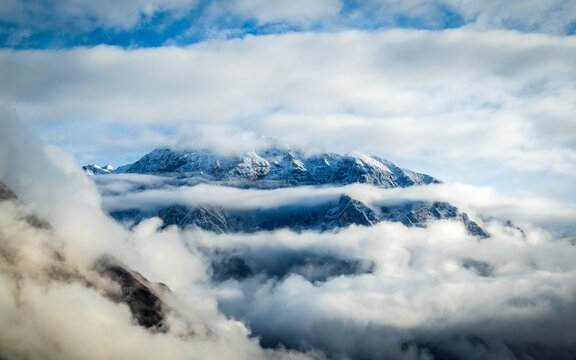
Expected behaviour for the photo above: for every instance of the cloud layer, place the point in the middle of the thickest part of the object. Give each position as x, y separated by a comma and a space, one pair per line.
465, 106
433, 292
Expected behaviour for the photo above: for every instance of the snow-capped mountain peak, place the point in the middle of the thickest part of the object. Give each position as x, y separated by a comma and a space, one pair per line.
272, 168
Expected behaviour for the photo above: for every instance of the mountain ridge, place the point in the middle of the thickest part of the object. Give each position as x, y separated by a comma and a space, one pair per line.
321, 217
271, 168
279, 168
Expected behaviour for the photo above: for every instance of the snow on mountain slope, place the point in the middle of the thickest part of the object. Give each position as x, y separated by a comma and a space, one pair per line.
273, 168
94, 169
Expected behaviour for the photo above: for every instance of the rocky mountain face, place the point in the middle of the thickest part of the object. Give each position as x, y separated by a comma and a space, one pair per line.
322, 217
418, 213
272, 168
142, 297
6, 193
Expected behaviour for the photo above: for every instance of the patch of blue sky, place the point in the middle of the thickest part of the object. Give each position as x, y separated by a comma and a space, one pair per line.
571, 28
98, 143
150, 32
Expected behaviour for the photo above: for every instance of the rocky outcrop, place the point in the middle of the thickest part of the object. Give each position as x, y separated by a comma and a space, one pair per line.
142, 297
6, 193
349, 212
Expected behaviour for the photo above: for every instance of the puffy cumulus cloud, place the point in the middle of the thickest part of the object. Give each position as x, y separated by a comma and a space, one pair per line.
467, 100
55, 306
48, 180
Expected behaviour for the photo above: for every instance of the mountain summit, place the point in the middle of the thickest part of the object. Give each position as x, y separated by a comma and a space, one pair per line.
274, 168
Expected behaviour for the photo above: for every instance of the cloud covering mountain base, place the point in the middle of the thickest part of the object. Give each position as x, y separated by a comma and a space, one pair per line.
362, 292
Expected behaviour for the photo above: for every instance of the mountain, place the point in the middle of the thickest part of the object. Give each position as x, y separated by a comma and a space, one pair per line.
272, 168
94, 169
6, 193
418, 213
278, 168
315, 267
319, 217
143, 297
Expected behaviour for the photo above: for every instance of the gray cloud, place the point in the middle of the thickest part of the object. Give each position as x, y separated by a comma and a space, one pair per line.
421, 294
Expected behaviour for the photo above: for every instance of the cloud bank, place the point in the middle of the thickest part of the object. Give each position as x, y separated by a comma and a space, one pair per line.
433, 293
480, 107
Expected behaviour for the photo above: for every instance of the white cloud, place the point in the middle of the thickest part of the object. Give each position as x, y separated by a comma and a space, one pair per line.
454, 98
421, 292
478, 202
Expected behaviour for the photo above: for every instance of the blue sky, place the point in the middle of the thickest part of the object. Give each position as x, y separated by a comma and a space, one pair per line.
135, 23
481, 92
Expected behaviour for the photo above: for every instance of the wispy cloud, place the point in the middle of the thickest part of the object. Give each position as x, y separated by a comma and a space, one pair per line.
286, 11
